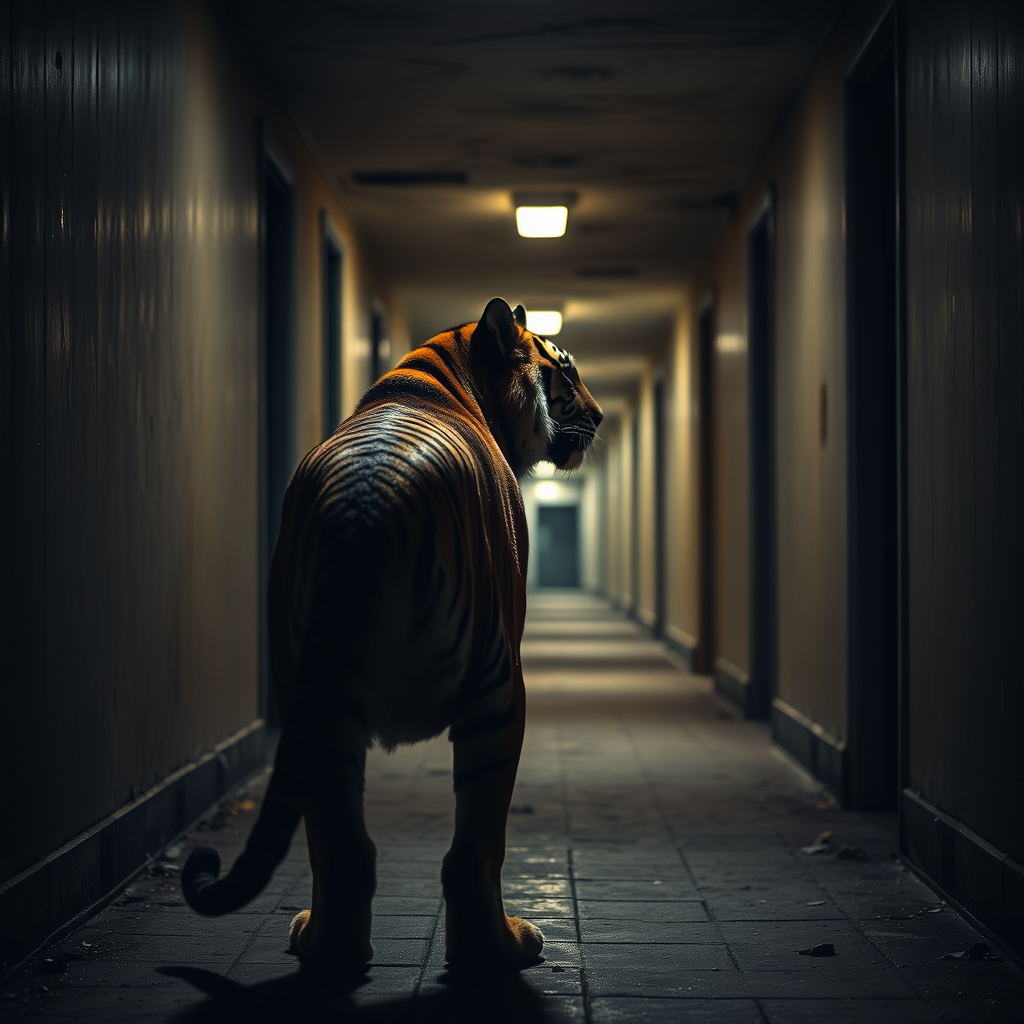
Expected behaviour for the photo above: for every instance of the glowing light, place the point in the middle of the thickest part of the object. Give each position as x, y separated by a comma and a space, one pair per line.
544, 470
547, 490
731, 343
542, 221
544, 322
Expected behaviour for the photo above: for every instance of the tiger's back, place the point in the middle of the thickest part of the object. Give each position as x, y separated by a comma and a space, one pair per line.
403, 542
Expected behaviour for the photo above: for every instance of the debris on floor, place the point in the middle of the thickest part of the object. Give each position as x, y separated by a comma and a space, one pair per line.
842, 851
822, 949
978, 951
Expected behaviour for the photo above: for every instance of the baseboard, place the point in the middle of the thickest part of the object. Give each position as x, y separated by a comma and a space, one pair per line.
966, 869
733, 684
86, 869
821, 753
682, 643
646, 619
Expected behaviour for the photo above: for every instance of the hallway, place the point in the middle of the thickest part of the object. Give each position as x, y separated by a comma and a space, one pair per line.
654, 838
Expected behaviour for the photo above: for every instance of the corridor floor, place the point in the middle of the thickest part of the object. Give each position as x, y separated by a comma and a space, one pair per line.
655, 839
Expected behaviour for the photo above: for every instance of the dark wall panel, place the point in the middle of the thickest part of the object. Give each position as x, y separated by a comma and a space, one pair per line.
129, 405
964, 111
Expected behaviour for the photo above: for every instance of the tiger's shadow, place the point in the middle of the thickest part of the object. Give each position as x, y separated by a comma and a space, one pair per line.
303, 995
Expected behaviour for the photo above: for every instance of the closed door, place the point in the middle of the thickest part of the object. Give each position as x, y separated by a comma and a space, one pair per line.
558, 546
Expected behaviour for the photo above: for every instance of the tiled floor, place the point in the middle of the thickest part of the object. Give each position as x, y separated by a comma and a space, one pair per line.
655, 840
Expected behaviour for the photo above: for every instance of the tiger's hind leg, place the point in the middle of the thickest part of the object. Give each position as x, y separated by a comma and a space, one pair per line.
486, 757
336, 929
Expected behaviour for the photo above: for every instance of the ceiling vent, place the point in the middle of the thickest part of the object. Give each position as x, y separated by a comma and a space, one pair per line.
606, 272
409, 179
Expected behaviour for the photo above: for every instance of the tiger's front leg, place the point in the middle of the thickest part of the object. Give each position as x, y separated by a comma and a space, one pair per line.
486, 758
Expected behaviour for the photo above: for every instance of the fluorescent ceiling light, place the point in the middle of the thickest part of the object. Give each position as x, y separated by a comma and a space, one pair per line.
547, 490
544, 322
541, 221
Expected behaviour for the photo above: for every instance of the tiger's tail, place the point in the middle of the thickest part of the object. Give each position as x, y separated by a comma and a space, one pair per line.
268, 842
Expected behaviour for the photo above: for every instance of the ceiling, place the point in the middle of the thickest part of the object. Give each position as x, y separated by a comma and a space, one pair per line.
432, 114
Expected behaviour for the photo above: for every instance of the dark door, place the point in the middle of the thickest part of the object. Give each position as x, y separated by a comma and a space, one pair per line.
872, 368
634, 517
760, 342
659, 504
558, 546
705, 659
332, 271
379, 345
277, 384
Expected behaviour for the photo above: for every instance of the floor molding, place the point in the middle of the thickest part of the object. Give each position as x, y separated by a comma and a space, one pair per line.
682, 643
733, 684
821, 753
85, 870
965, 868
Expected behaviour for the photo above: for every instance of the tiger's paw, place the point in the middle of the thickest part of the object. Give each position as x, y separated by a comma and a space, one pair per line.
529, 939
303, 942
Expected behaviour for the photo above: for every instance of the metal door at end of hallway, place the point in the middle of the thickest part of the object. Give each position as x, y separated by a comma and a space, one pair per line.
558, 546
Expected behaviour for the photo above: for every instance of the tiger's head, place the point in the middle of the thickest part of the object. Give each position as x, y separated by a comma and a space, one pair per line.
546, 412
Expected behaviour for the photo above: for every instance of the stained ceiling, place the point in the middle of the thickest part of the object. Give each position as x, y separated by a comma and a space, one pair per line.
432, 114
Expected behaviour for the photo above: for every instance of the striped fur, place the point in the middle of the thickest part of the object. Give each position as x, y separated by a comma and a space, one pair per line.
397, 601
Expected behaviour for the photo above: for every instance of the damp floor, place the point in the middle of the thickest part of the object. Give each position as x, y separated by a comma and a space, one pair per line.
655, 839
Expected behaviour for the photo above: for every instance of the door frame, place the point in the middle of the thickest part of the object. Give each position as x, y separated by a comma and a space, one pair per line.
762, 685
705, 654
660, 527
274, 169
332, 325
876, 712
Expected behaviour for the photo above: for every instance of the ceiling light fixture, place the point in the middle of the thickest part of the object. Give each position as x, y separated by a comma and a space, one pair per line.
541, 221
542, 214
544, 322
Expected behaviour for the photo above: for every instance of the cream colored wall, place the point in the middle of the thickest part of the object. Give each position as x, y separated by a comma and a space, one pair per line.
682, 582
731, 454
592, 543
805, 163
646, 548
617, 518
315, 191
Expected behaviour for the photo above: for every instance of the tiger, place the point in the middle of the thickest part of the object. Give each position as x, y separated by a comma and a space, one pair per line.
397, 598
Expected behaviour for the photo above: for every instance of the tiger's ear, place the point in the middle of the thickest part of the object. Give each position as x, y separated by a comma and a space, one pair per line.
497, 333
519, 315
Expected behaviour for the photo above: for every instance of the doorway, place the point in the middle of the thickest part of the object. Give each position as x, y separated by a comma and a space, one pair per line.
380, 345
558, 543
277, 368
705, 659
332, 276
634, 515
872, 217
761, 367
660, 556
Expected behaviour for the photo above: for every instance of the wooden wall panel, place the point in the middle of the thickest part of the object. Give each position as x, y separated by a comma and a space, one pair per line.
965, 442
132, 625
129, 394
25, 700
1008, 610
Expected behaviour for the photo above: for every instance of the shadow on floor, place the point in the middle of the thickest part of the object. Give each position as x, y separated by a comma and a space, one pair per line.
468, 997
